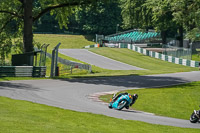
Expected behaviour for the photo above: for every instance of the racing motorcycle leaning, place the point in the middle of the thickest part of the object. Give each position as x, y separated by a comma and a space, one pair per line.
122, 100
195, 116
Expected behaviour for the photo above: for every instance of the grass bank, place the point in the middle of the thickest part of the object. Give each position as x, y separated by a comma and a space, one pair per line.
196, 57
19, 78
22, 117
152, 65
176, 101
67, 41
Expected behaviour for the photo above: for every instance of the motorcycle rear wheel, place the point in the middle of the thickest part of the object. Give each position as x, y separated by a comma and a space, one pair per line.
121, 104
193, 118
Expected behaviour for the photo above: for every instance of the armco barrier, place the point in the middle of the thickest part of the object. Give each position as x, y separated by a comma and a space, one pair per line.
71, 63
75, 64
92, 46
163, 57
22, 71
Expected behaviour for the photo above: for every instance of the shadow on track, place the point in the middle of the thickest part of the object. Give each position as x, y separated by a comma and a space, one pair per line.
131, 81
6, 85
136, 112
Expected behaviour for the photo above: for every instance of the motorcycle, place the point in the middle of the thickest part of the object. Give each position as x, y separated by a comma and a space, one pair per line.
121, 102
195, 116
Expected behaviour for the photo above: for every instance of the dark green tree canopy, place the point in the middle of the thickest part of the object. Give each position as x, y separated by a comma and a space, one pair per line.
26, 12
163, 15
101, 18
134, 14
17, 16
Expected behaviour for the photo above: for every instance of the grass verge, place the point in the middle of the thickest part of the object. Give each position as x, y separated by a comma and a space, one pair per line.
196, 57
22, 117
67, 41
19, 78
153, 66
176, 101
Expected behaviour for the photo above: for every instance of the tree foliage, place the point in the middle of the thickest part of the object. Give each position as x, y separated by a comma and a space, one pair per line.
5, 47
100, 19
96, 16
186, 13
162, 18
10, 26
163, 15
25, 12
134, 14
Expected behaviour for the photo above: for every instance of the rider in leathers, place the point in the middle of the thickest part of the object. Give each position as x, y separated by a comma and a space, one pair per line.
134, 98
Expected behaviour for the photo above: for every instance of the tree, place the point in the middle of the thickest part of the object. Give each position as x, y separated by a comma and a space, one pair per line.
157, 14
26, 12
101, 19
148, 14
186, 13
134, 14
48, 24
162, 17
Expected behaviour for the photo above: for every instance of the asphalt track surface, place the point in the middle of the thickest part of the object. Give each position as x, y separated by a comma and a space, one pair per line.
81, 94
97, 60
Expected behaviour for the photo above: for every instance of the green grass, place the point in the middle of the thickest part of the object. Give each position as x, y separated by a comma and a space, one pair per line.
153, 66
19, 78
196, 57
21, 116
176, 101
25, 117
67, 41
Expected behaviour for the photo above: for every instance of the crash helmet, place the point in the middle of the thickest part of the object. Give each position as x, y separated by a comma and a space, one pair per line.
135, 96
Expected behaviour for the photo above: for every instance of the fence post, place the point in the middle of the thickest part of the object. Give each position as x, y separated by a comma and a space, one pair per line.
43, 55
70, 69
54, 61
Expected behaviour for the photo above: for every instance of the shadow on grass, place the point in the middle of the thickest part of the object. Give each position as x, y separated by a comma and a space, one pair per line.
90, 37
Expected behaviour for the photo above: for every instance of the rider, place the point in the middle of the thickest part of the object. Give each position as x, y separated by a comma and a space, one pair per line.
134, 98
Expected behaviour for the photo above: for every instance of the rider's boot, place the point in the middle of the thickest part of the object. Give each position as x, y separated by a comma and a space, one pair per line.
127, 107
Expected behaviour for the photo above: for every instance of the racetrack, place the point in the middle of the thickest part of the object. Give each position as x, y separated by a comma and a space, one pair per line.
97, 60
77, 94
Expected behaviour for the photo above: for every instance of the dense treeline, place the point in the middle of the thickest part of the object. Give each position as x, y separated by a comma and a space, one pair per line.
171, 17
18, 18
99, 19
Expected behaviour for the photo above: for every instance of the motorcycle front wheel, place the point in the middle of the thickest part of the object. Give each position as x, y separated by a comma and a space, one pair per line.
110, 105
121, 104
193, 118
